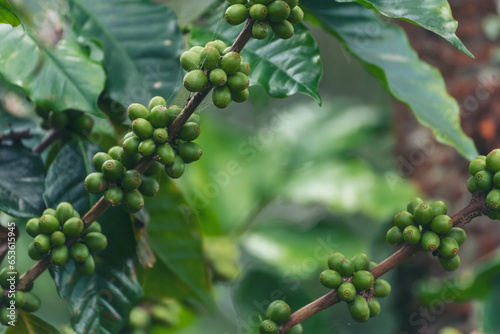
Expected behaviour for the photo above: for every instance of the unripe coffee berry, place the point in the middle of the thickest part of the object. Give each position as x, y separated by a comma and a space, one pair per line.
476, 166
32, 227
448, 248
95, 183
403, 219
195, 80
283, 30
131, 180
32, 303
334, 260
241, 96
166, 154
363, 280
218, 77
113, 196
112, 169
449, 264
210, 58
34, 254
133, 202
360, 261
413, 203
58, 238
160, 136
439, 208
159, 117
136, 110
87, 267
190, 152
347, 292
394, 236
373, 305
147, 147
149, 187
346, 268
359, 309
82, 125
129, 160
176, 169
219, 45
115, 152
493, 199
458, 234
59, 255
297, 329
58, 120
292, 3
221, 97
382, 288
48, 224
190, 60
244, 68
42, 243
268, 327
238, 82
258, 12
471, 184
142, 128
441, 224
94, 227
96, 241
372, 265
20, 299
230, 62
278, 11
189, 131
5, 275
64, 212
296, 15
278, 312
73, 227
483, 180
157, 101
236, 14
49, 211
79, 252
330, 279
131, 145
411, 234
493, 161
430, 241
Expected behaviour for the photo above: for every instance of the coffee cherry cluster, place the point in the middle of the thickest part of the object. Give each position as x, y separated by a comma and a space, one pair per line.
54, 228
72, 120
275, 14
277, 313
432, 228
485, 171
16, 299
355, 284
224, 69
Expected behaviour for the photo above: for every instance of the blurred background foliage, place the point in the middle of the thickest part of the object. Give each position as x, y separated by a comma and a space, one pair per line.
282, 182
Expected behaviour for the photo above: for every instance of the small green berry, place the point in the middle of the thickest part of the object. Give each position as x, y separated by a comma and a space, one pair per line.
458, 234
176, 169
156, 101
64, 211
195, 80
115, 152
198, 49
334, 261
87, 267
112, 170
484, 180
159, 117
34, 254
449, 247
374, 306
245, 68
268, 327
493, 199
219, 45
359, 309
210, 58
278, 11
6, 275
411, 234
48, 224
131, 145
430, 241
471, 184
283, 30
362, 280
372, 265
160, 136
221, 97
218, 77
32, 303
423, 214
166, 154
73, 227
32, 227
82, 125
131, 180
20, 299
42, 243
94, 227
190, 60
142, 128
154, 170
394, 236
382, 288
96, 241
136, 110
189, 131
129, 160
403, 219
58, 238
297, 329
258, 12
476, 166
441, 224
439, 208
190, 152
49, 211
360, 261
413, 203
238, 82
58, 120
59, 255
449, 264
347, 292
79, 252
147, 147
149, 187
236, 14
113, 196
230, 63
278, 312
292, 3
98, 159
493, 161
346, 268
296, 15
241, 96
330, 279
133, 202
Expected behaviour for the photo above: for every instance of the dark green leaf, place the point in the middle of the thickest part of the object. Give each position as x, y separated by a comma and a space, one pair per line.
433, 15
491, 321
141, 42
75, 80
174, 236
101, 302
282, 67
21, 181
389, 57
7, 14
28, 323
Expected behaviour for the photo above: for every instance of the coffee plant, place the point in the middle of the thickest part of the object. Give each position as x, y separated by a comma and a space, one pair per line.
103, 106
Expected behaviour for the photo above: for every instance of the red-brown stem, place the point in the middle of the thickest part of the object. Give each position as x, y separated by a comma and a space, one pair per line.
49, 138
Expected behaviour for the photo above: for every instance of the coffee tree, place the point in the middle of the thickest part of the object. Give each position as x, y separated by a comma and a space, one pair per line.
103, 109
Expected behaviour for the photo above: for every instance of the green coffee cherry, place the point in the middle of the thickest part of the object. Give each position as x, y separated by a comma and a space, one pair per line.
493, 214
131, 145
113, 196
476, 166
34, 254
218, 77
189, 131
142, 128
330, 279
382, 288
166, 154
115, 152
154, 170
363, 280
423, 214
334, 260
64, 212
359, 309
236, 14
221, 97
411, 234
278, 11
195, 80
73, 227
219, 45
58, 238
42, 243
49, 211
241, 96
76, 214
133, 201
471, 184
297, 329
484, 180
238, 82
292, 3
430, 241
176, 169
48, 224
131, 180
190, 60
449, 264
394, 236
58, 120
268, 327
129, 160
374, 307
413, 203
458, 234
278, 312
79, 252
5, 316
403, 219
439, 208
296, 15
346, 292
372, 265
496, 180
346, 268
96, 241
149, 187
258, 12
210, 58
198, 49
136, 110
82, 125
449, 248
95, 183
160, 136
157, 101
112, 170
87, 267
20, 299
127, 136
159, 117
5, 276
32, 227
244, 68
32, 303
283, 30
94, 227
360, 261
230, 63
147, 147
441, 224
493, 160
493, 199
190, 152
59, 255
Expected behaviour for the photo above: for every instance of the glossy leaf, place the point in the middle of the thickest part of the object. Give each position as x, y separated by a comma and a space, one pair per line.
28, 323
282, 67
433, 15
389, 57
22, 177
7, 14
141, 42
75, 80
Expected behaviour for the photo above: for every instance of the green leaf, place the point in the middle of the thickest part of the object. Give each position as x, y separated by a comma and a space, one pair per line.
7, 14
141, 42
174, 236
21, 181
75, 80
389, 57
28, 323
282, 67
433, 15
101, 302
491, 321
